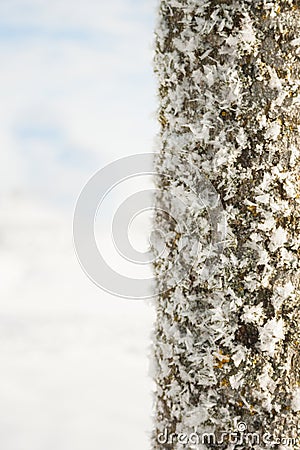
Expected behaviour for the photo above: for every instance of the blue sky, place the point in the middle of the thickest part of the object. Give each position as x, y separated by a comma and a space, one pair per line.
77, 91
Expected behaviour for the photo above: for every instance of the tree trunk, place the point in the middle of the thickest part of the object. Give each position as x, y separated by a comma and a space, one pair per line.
226, 338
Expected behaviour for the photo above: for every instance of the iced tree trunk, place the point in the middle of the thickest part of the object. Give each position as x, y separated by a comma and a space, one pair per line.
226, 346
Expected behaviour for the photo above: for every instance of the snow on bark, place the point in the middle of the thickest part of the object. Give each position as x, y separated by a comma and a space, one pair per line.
226, 346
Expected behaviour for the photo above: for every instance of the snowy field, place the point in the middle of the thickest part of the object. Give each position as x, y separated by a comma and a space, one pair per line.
77, 92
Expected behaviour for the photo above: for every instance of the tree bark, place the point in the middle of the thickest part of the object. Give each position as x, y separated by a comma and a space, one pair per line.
226, 341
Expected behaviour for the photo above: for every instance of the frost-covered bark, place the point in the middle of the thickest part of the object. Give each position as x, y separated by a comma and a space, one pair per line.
226, 347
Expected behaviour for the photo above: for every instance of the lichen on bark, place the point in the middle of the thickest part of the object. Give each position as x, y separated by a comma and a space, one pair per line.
226, 347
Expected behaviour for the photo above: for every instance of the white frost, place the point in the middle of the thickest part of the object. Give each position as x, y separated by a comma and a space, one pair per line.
278, 238
296, 400
273, 131
236, 381
266, 382
270, 334
238, 356
281, 293
253, 314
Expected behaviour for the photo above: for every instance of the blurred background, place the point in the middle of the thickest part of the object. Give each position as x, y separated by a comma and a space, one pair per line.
77, 92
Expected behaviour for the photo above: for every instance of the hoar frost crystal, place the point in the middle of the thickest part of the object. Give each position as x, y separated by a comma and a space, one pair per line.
226, 344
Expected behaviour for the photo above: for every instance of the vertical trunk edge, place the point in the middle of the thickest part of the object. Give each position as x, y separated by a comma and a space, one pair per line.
226, 338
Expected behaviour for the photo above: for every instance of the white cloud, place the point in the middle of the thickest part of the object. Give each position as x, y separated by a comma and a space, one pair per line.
117, 16
98, 93
76, 93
